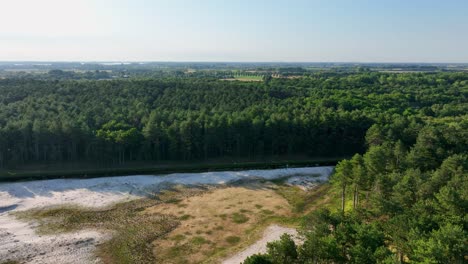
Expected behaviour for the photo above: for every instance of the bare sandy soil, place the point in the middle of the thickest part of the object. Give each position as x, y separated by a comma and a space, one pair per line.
19, 241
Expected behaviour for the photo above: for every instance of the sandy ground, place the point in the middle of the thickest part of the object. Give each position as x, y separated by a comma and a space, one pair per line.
19, 241
272, 233
304, 182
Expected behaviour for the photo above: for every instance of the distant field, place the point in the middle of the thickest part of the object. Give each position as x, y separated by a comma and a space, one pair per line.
26, 70
403, 71
246, 78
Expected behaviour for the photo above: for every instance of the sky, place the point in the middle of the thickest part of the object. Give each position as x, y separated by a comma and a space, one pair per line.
238, 30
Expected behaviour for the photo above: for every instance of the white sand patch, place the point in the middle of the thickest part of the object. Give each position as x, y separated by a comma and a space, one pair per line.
272, 233
19, 241
306, 182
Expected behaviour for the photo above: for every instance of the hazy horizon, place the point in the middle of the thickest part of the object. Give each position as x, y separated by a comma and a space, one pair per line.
243, 31
207, 61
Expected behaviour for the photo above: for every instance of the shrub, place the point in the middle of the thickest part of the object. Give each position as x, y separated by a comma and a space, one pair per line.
239, 218
233, 239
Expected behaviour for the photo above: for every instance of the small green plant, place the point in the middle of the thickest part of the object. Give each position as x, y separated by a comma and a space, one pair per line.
233, 239
174, 201
239, 218
185, 217
267, 212
178, 237
223, 216
198, 240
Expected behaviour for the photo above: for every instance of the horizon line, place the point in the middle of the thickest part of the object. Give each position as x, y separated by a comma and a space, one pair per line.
215, 61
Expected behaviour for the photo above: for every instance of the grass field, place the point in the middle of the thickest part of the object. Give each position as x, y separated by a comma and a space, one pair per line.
246, 78
187, 224
249, 78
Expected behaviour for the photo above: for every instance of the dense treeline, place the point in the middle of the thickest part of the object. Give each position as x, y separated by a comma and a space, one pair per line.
405, 200
114, 122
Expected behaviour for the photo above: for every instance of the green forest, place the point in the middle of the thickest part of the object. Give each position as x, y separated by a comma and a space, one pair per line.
113, 122
400, 203
403, 190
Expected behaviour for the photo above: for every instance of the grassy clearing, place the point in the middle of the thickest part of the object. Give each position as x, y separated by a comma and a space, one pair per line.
249, 78
246, 78
226, 218
185, 225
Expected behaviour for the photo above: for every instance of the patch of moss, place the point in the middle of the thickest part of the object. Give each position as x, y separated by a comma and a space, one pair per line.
178, 237
10, 262
198, 240
185, 217
223, 216
239, 218
233, 239
173, 200
267, 212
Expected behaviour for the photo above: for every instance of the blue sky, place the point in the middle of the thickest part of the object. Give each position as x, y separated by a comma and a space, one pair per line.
241, 30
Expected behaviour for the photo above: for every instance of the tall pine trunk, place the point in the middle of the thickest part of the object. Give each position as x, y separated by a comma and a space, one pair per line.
343, 196
355, 197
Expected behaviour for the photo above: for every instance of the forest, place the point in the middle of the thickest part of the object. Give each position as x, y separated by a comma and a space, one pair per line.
401, 202
112, 122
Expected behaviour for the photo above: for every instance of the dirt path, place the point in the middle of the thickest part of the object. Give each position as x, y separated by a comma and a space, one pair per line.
270, 234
